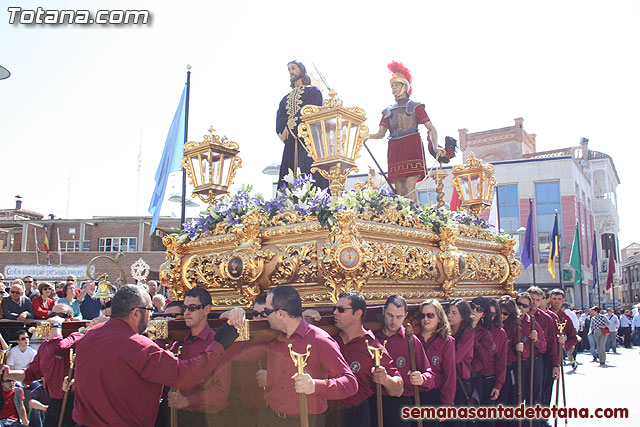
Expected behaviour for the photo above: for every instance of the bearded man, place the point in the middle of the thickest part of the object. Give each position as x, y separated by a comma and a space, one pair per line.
295, 156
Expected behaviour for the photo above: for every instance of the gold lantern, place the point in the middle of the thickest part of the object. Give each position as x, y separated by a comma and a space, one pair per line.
475, 184
105, 289
211, 165
333, 136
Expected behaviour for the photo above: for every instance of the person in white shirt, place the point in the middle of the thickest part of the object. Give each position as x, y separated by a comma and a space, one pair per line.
614, 325
572, 316
635, 327
20, 357
625, 328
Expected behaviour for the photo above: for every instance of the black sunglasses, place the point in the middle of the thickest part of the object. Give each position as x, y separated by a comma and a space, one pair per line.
63, 315
173, 315
15, 292
267, 311
341, 309
262, 314
523, 305
194, 307
504, 313
477, 308
421, 316
23, 339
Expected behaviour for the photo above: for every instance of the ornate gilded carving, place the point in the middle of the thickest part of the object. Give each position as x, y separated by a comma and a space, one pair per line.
345, 258
485, 268
451, 259
296, 264
402, 262
158, 329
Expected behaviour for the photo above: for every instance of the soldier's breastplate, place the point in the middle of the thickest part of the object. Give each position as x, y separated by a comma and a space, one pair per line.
402, 123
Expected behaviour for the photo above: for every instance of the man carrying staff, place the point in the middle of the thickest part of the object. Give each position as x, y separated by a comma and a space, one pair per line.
405, 155
295, 156
393, 332
570, 336
357, 410
204, 404
119, 373
52, 363
327, 376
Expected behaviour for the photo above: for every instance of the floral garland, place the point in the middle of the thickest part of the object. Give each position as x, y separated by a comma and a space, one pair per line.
299, 194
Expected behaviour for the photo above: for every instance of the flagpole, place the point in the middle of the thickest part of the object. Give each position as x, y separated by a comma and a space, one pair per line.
35, 235
533, 244
580, 260
560, 255
597, 273
186, 137
60, 247
497, 211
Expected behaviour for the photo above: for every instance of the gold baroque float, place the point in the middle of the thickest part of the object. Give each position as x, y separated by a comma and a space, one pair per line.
378, 256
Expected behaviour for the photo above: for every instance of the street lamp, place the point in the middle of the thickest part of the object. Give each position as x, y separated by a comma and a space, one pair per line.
211, 165
475, 184
333, 136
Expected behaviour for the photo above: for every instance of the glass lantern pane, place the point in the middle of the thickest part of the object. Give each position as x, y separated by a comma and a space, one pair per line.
201, 170
465, 184
226, 166
330, 132
475, 186
317, 135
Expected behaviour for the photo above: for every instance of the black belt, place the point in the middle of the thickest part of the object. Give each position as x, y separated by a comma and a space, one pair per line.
357, 405
284, 415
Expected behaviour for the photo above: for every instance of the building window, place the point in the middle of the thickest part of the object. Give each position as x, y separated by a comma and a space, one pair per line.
428, 198
508, 208
547, 203
74, 246
118, 244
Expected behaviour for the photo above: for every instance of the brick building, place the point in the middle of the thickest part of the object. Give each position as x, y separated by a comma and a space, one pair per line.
73, 243
577, 182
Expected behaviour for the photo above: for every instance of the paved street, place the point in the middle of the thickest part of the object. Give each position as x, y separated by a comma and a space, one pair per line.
615, 386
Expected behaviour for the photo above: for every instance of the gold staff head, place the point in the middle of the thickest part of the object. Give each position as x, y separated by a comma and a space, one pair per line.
300, 359
376, 352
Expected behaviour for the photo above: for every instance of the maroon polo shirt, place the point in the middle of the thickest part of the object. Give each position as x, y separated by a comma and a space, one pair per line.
569, 330
52, 363
330, 372
548, 322
464, 353
483, 348
119, 375
498, 364
398, 348
210, 395
357, 355
441, 354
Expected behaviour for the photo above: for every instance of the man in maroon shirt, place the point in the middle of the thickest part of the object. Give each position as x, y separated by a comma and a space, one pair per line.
569, 339
52, 363
205, 403
327, 376
395, 313
550, 358
537, 335
356, 410
119, 373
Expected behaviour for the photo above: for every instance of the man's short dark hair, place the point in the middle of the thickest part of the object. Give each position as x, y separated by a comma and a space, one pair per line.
357, 301
557, 291
201, 293
288, 299
536, 291
21, 332
175, 304
397, 300
524, 295
260, 299
565, 305
126, 298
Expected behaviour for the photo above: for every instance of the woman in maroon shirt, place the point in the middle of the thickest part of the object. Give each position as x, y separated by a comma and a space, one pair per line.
439, 347
459, 314
43, 304
482, 373
509, 315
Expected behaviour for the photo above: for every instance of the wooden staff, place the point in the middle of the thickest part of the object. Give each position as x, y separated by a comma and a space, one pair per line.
561, 326
376, 355
412, 359
65, 399
300, 361
173, 412
532, 360
519, 353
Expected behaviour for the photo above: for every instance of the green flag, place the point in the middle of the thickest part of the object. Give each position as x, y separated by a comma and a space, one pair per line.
575, 258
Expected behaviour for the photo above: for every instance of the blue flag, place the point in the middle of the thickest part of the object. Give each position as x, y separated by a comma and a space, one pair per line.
171, 160
594, 261
526, 256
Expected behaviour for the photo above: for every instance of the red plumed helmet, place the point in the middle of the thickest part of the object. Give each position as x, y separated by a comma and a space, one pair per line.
401, 74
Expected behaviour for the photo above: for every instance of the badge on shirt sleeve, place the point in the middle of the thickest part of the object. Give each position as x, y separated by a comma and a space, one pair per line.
435, 360
493, 346
355, 366
401, 362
